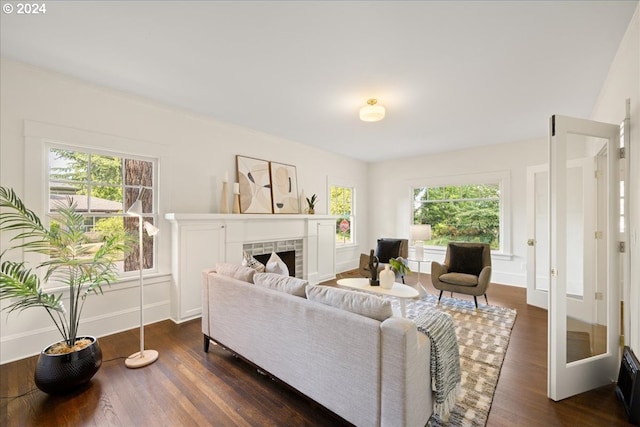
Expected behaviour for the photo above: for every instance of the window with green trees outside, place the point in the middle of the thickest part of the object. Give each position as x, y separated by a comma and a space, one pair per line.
104, 186
467, 213
341, 203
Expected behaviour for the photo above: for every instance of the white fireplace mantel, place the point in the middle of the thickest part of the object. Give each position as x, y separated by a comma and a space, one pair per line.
199, 241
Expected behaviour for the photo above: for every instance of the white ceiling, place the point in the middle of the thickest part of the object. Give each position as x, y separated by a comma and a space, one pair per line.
452, 74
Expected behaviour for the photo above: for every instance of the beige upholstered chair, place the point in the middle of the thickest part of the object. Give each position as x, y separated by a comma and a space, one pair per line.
466, 270
386, 249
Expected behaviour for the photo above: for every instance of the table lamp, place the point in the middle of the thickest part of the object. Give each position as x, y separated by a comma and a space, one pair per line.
420, 233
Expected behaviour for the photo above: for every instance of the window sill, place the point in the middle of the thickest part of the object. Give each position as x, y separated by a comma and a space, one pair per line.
346, 247
441, 252
121, 283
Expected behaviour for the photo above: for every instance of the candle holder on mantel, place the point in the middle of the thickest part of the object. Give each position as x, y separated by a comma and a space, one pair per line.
224, 199
236, 198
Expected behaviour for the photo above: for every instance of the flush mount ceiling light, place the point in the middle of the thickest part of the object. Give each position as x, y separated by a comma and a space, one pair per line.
372, 112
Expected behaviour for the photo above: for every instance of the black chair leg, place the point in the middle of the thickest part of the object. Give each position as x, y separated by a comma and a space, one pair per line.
206, 344
485, 298
440, 296
475, 299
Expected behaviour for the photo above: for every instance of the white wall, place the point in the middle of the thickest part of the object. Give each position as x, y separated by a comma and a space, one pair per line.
623, 82
390, 209
194, 153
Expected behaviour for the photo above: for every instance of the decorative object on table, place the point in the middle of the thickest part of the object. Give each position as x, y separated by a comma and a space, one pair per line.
284, 188
74, 259
386, 249
224, 194
236, 198
399, 266
387, 277
143, 357
372, 112
311, 203
467, 263
255, 185
373, 269
419, 234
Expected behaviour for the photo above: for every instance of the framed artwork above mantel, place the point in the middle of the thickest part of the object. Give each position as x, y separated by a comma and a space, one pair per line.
284, 188
254, 180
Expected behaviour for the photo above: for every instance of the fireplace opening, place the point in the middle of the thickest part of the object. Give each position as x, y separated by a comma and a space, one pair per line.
288, 257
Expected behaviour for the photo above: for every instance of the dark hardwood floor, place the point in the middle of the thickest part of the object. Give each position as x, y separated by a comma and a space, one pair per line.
187, 387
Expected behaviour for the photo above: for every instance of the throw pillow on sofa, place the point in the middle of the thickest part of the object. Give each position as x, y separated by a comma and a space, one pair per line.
236, 271
250, 261
278, 282
371, 306
276, 265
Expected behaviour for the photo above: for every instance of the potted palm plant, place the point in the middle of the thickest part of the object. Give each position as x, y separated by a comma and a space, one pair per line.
73, 259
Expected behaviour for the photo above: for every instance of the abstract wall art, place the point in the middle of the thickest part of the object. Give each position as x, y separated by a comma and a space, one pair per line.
255, 185
284, 188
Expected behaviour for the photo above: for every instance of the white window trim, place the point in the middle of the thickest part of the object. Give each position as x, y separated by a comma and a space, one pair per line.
503, 178
333, 181
39, 137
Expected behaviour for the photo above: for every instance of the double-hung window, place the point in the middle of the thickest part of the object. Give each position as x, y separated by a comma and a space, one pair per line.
468, 209
103, 186
341, 203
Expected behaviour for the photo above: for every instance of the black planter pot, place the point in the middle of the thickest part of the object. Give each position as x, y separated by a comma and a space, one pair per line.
62, 373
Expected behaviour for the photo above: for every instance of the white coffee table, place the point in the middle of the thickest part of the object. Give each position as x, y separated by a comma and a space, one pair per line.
400, 291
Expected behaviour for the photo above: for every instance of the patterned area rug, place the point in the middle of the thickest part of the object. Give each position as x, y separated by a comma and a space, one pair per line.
483, 337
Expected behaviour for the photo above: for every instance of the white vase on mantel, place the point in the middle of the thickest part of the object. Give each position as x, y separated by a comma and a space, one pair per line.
387, 277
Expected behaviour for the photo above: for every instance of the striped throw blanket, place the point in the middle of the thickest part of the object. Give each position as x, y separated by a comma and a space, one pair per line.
445, 359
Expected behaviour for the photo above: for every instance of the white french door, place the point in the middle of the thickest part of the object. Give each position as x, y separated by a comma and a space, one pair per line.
583, 255
538, 236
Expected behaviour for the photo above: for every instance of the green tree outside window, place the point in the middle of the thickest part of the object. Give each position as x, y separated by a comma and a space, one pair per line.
468, 213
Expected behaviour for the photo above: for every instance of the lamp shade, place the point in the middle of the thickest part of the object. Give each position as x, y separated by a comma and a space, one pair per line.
151, 229
135, 209
421, 232
372, 112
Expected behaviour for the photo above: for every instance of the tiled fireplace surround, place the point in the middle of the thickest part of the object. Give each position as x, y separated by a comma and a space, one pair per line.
279, 246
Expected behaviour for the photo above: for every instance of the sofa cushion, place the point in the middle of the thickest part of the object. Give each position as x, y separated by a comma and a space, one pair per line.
276, 265
465, 259
278, 282
236, 271
356, 302
388, 248
250, 261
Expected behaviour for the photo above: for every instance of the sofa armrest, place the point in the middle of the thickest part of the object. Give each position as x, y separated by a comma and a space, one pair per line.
406, 396
205, 301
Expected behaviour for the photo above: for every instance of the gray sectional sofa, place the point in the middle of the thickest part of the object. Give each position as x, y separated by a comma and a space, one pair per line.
372, 368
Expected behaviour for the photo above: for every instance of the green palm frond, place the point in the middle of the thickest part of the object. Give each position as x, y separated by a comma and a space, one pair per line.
23, 285
16, 217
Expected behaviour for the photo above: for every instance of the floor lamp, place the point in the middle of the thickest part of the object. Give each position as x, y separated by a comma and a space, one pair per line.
420, 233
143, 357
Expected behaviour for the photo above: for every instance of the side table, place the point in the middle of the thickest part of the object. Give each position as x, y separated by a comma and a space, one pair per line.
421, 290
